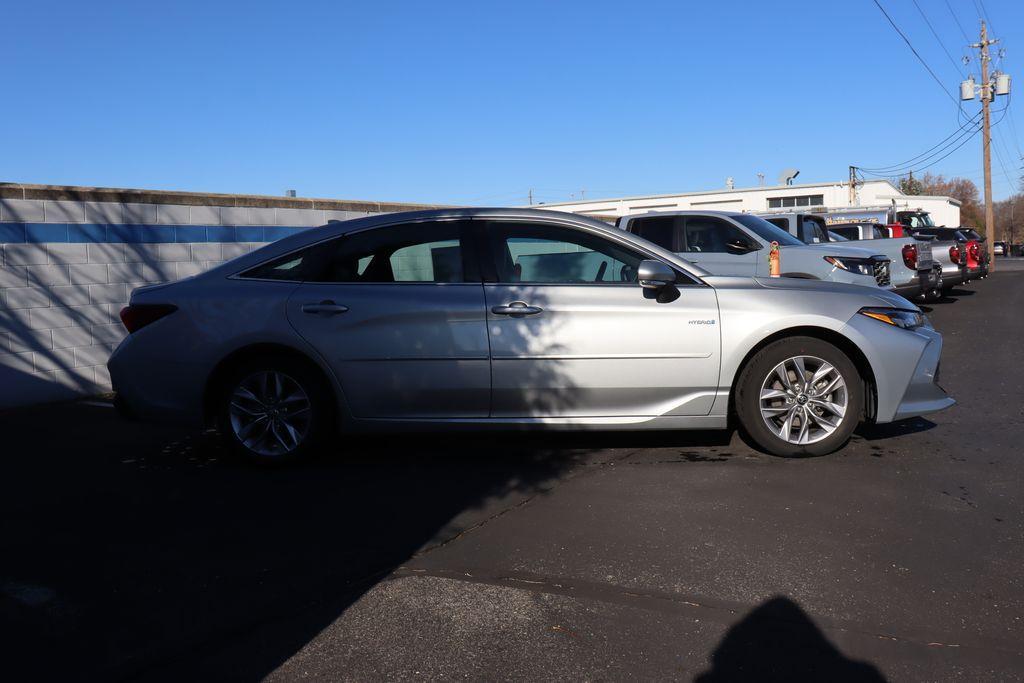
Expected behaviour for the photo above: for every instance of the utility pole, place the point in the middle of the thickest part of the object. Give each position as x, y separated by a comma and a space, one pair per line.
530, 194
988, 89
853, 185
986, 140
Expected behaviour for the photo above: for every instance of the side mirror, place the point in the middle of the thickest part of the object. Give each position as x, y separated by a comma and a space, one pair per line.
655, 274
739, 247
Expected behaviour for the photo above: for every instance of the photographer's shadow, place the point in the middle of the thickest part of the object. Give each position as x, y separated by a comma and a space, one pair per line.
777, 641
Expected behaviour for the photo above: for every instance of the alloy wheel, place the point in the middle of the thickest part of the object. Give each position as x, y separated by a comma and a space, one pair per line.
270, 413
803, 400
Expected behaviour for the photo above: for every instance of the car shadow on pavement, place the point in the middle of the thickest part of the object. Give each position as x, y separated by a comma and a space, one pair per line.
777, 641
138, 550
131, 547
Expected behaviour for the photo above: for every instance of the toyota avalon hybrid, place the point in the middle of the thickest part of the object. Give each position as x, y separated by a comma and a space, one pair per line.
512, 319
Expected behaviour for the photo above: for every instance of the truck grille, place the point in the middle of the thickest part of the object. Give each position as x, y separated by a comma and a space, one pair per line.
882, 273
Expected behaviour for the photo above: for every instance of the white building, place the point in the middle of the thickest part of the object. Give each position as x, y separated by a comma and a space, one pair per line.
944, 210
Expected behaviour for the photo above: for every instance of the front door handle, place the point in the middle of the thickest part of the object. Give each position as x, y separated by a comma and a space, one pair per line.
516, 309
324, 308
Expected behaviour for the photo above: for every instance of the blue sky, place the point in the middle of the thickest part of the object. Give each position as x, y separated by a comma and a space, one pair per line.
477, 102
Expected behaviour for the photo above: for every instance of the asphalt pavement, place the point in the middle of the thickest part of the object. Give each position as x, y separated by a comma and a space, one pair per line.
133, 551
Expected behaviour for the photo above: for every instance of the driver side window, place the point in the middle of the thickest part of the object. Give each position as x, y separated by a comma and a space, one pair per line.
538, 253
705, 234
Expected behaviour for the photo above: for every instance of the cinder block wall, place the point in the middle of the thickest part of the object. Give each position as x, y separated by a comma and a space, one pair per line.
70, 257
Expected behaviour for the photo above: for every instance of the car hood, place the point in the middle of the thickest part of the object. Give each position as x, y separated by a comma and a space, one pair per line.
835, 249
872, 296
884, 297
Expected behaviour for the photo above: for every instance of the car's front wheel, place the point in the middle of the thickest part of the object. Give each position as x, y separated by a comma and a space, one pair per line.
273, 410
800, 396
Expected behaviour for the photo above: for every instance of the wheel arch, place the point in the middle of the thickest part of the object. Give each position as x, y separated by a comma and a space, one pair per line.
221, 371
845, 344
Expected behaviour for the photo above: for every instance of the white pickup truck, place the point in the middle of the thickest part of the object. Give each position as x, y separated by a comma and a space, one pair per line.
913, 273
733, 243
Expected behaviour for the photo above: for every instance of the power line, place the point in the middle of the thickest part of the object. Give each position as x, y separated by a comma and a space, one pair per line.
973, 121
953, 14
981, 11
938, 40
1002, 165
959, 139
1013, 128
919, 58
917, 169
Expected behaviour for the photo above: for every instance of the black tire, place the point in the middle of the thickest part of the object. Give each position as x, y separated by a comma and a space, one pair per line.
756, 372
312, 384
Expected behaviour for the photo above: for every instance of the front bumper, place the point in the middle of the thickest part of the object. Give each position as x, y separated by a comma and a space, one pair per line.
904, 365
923, 394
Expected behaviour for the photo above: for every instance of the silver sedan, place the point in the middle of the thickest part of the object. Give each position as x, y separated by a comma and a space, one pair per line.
510, 318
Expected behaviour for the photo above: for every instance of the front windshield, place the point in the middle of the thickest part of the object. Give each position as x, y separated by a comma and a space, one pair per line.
767, 231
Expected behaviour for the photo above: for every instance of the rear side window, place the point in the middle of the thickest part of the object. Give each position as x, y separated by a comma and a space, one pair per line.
658, 229
294, 267
413, 252
849, 232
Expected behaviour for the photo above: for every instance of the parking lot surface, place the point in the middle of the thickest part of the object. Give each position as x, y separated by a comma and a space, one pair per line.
134, 551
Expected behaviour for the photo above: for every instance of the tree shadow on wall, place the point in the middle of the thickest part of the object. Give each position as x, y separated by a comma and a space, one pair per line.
59, 339
777, 641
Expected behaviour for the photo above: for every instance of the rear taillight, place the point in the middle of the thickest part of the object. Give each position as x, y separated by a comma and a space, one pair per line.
910, 256
973, 250
954, 254
137, 316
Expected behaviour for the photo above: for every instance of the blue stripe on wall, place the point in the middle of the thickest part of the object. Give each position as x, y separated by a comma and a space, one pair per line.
140, 233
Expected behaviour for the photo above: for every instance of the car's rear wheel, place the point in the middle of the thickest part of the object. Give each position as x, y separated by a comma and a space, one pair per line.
273, 410
800, 396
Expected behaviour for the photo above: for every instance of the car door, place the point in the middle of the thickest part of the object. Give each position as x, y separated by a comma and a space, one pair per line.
705, 241
573, 335
398, 313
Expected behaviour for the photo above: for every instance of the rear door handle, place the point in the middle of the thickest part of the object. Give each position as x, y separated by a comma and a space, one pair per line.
324, 308
517, 308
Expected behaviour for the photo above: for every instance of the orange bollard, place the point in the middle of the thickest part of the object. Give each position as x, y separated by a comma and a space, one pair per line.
774, 260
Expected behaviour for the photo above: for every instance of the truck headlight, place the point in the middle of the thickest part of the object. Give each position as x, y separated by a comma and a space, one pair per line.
898, 317
863, 266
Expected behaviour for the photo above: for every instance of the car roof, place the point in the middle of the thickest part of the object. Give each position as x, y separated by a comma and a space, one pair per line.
331, 230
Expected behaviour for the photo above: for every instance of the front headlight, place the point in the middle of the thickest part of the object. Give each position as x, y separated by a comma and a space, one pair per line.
898, 317
863, 266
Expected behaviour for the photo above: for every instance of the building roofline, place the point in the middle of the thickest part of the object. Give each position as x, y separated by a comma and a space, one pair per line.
699, 193
137, 196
